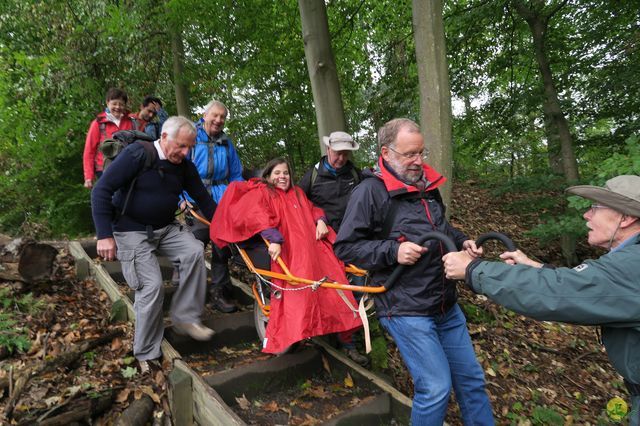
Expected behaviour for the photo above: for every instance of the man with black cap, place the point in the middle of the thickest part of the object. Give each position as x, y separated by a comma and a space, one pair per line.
604, 292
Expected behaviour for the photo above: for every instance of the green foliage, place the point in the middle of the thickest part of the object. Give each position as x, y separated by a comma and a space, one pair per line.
553, 228
128, 360
58, 59
625, 161
475, 314
378, 355
28, 305
514, 414
90, 357
546, 416
540, 415
128, 372
13, 337
499, 130
527, 184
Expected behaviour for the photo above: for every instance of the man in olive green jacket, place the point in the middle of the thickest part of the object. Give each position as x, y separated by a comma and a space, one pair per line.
604, 292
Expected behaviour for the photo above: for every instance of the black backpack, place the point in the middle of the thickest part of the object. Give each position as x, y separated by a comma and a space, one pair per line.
314, 175
110, 149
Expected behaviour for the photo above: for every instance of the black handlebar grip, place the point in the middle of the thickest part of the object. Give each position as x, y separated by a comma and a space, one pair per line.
449, 245
506, 241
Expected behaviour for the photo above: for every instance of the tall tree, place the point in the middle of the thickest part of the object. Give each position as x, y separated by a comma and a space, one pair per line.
179, 83
433, 77
559, 136
322, 68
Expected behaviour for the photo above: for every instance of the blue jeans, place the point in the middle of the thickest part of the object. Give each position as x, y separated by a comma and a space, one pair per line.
438, 353
634, 416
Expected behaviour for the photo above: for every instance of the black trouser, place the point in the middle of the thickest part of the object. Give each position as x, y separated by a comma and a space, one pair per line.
219, 257
633, 388
257, 251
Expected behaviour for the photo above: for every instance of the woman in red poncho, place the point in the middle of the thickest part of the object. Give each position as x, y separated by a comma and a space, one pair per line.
296, 231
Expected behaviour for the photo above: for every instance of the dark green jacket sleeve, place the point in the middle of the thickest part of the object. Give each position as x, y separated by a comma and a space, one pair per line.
598, 292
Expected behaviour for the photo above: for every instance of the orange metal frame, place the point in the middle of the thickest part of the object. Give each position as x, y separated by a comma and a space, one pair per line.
294, 280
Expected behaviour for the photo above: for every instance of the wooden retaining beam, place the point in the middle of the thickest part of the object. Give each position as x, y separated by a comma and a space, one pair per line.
207, 407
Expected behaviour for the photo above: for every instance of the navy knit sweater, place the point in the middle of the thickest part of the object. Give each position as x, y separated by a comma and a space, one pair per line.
154, 198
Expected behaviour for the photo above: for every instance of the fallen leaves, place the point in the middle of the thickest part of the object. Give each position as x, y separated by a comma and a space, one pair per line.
123, 395
116, 344
146, 389
348, 381
79, 313
243, 402
271, 406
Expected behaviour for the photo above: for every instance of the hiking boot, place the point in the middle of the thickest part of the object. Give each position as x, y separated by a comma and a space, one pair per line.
219, 302
357, 356
148, 365
195, 330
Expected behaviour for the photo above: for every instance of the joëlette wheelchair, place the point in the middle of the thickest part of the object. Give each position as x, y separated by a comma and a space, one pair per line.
263, 288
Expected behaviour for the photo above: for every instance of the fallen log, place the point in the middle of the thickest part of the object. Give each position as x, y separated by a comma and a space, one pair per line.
138, 413
23, 259
78, 410
63, 360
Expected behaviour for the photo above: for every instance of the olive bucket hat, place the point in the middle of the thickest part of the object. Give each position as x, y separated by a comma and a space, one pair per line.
621, 193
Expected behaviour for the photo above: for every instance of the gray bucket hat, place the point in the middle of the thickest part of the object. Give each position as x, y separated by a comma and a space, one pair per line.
621, 193
340, 141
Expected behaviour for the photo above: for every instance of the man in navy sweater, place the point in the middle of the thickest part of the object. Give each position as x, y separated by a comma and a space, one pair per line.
147, 227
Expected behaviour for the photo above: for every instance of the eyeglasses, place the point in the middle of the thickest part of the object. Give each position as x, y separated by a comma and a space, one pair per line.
595, 207
411, 155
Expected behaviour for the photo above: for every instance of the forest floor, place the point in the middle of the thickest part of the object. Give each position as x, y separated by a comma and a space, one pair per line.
536, 372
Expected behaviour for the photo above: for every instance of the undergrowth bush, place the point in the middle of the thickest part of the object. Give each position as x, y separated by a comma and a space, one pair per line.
12, 336
625, 162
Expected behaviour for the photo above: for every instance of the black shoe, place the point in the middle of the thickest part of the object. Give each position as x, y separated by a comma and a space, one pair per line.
220, 303
357, 356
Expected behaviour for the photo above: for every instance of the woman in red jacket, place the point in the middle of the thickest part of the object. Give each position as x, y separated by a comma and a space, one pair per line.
297, 232
115, 117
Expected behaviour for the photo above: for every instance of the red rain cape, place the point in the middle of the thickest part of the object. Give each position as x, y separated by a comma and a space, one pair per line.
250, 207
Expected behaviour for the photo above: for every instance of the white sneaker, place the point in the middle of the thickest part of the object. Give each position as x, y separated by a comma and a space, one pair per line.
196, 331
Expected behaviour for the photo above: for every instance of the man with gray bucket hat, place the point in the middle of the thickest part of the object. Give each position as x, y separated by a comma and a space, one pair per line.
603, 292
328, 184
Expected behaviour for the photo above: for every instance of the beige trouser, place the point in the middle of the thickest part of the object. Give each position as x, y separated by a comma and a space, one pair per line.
137, 253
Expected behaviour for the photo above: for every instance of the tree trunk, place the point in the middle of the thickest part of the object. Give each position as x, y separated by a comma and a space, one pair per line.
433, 79
25, 260
322, 68
556, 125
82, 410
179, 83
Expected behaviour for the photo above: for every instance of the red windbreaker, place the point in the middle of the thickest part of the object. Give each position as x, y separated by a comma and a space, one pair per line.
250, 207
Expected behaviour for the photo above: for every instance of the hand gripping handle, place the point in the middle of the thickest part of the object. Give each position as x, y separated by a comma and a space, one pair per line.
433, 235
506, 241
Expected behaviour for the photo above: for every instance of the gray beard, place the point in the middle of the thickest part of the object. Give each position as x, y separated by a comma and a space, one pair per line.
409, 180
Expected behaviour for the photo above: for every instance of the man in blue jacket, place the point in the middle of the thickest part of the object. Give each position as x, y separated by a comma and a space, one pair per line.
218, 164
133, 207
394, 206
604, 292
